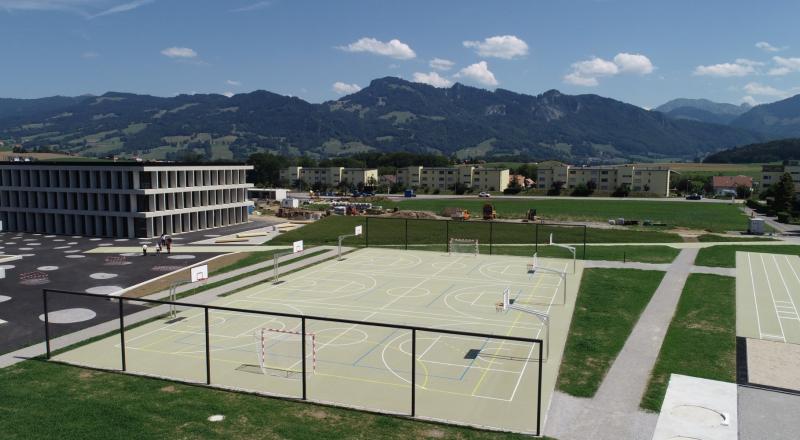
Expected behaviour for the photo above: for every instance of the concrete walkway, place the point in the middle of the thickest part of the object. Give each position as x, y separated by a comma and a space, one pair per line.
614, 411
204, 297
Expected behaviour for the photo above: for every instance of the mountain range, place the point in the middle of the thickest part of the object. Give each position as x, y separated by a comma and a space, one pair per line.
702, 110
390, 114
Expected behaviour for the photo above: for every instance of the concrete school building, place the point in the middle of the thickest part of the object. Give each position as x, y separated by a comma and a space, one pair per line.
121, 199
329, 176
639, 179
445, 178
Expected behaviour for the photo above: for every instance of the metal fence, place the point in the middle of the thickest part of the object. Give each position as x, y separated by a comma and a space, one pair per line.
124, 306
432, 234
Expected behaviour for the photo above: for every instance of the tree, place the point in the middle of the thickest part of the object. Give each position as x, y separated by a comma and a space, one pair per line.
266, 168
591, 186
784, 194
743, 192
581, 190
622, 191
555, 188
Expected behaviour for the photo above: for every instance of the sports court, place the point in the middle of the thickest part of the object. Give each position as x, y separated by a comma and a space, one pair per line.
768, 296
460, 379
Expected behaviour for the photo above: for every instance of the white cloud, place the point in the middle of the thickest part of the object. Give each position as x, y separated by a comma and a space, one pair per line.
179, 52
393, 48
633, 63
441, 64
577, 80
344, 88
125, 7
740, 67
478, 72
253, 6
228, 94
500, 46
766, 47
785, 66
231, 82
595, 67
755, 88
432, 79
750, 100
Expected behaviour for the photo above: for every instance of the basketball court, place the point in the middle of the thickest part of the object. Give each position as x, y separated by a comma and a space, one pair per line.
468, 380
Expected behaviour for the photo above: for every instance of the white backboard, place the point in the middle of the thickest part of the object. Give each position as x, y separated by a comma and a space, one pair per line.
358, 230
297, 246
199, 273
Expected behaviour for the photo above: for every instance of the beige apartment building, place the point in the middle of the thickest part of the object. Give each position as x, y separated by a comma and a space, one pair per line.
446, 178
653, 181
490, 179
771, 174
408, 176
330, 176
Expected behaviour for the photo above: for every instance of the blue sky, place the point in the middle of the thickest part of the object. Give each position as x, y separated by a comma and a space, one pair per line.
639, 51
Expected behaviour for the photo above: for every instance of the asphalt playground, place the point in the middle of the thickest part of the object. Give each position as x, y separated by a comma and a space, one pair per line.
476, 381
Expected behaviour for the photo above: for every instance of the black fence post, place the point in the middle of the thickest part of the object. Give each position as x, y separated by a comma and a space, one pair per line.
366, 232
413, 372
406, 234
208, 350
447, 234
122, 335
303, 344
539, 395
46, 324
584, 242
536, 246
491, 236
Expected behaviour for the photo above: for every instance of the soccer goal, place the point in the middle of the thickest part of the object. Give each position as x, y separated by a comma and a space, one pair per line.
280, 352
467, 246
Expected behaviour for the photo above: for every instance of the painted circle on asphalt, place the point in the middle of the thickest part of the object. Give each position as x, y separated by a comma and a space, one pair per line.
7, 266
76, 256
181, 257
69, 316
72, 251
47, 268
4, 298
104, 290
103, 276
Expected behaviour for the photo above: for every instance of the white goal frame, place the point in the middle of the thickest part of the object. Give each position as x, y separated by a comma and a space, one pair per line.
458, 242
262, 337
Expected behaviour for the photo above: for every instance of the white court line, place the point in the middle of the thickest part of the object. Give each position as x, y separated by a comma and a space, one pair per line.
785, 286
429, 348
772, 295
755, 299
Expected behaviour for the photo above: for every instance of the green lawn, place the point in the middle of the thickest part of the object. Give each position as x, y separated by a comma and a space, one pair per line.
715, 217
641, 254
385, 231
725, 255
48, 400
727, 238
701, 340
608, 306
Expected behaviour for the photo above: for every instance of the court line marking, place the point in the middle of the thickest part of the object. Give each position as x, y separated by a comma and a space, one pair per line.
772, 295
755, 298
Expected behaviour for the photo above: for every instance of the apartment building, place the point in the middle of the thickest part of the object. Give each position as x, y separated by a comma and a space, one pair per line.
490, 179
121, 199
408, 176
639, 179
329, 176
771, 174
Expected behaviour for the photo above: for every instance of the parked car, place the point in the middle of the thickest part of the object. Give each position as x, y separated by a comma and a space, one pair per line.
694, 197
484, 194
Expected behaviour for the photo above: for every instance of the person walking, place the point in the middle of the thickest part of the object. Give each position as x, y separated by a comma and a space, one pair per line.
144, 249
169, 244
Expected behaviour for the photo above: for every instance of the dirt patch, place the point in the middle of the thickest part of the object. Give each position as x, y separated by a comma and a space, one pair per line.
168, 389
319, 414
86, 374
415, 215
432, 433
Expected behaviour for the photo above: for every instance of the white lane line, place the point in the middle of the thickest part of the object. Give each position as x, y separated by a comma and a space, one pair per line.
755, 300
429, 347
772, 295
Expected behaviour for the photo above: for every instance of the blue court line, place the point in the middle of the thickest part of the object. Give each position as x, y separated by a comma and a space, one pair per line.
373, 348
486, 341
440, 295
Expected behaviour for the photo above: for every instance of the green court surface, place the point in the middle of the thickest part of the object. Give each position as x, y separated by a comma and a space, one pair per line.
474, 381
767, 296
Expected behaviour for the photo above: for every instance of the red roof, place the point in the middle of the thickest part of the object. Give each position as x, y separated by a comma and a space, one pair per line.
731, 181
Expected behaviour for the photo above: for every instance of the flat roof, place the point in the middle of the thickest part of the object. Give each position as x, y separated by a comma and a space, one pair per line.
79, 163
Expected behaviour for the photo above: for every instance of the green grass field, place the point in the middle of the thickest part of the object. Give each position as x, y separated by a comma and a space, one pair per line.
609, 304
727, 238
386, 231
701, 340
49, 400
725, 255
715, 217
641, 254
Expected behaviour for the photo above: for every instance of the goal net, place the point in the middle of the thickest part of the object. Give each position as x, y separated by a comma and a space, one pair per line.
280, 352
467, 246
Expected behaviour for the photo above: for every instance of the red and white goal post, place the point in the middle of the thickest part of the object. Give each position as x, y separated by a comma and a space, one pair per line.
280, 350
